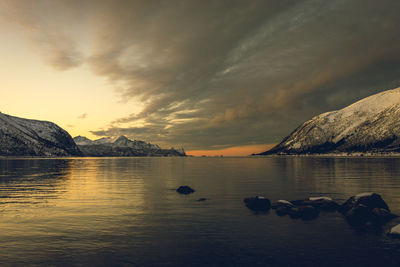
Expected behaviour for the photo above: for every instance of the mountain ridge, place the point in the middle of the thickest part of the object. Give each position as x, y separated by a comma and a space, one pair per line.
369, 125
122, 146
27, 137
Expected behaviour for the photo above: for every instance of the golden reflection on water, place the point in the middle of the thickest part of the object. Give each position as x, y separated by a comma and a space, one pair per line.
99, 211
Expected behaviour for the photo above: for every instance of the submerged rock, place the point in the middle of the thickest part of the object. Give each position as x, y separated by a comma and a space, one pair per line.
258, 203
202, 199
184, 189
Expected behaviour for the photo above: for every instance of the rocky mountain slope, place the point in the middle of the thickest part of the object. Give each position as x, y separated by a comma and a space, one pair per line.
24, 137
369, 125
122, 146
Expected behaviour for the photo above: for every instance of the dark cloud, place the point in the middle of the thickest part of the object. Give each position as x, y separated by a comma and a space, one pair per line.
215, 73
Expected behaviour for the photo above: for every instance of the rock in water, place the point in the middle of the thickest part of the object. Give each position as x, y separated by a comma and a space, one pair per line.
258, 203
282, 211
24, 137
282, 207
309, 212
184, 189
366, 207
321, 203
358, 215
370, 200
303, 212
282, 203
381, 216
369, 125
294, 213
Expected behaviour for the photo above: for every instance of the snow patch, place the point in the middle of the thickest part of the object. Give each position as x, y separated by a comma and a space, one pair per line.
285, 202
319, 198
395, 230
366, 194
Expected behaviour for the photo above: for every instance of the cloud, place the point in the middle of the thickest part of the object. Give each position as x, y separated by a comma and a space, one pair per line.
46, 24
229, 72
236, 73
82, 116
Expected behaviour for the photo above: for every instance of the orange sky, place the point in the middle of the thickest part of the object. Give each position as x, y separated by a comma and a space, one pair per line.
232, 151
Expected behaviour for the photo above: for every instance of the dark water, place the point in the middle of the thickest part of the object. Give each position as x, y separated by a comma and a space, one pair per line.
122, 212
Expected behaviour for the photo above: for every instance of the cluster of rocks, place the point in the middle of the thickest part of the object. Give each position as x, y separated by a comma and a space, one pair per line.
359, 210
305, 209
366, 208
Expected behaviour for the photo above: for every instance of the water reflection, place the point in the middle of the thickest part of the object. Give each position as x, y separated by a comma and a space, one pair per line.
122, 211
341, 178
33, 180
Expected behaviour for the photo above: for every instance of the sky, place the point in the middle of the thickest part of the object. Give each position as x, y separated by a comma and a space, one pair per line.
215, 77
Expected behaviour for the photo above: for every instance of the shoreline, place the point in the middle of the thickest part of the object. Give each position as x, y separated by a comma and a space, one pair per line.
337, 155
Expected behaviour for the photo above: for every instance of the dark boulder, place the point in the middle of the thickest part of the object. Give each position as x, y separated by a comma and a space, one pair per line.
202, 199
303, 212
381, 216
282, 211
184, 189
366, 208
282, 207
358, 215
369, 200
257, 203
309, 212
294, 213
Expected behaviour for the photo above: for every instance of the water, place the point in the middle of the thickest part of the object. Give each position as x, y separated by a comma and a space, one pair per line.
124, 212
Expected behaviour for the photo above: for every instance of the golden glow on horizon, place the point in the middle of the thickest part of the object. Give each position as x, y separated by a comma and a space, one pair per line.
232, 151
34, 90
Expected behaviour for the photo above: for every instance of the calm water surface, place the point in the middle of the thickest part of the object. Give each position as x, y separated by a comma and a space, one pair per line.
124, 212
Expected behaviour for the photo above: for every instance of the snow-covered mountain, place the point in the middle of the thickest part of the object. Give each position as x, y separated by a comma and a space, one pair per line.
82, 140
369, 125
122, 146
103, 140
24, 137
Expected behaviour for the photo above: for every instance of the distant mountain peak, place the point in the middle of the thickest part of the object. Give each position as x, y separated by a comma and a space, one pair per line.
122, 137
82, 140
103, 140
369, 125
122, 141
